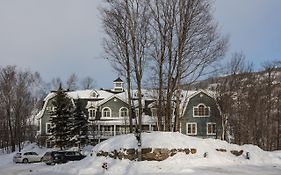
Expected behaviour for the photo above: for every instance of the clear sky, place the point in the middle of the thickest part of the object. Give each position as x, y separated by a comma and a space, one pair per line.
61, 37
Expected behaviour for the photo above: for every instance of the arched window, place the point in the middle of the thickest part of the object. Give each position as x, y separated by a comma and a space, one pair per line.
201, 111
123, 112
106, 112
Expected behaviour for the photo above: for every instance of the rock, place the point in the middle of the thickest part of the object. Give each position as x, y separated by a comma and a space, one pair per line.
131, 156
237, 153
149, 156
102, 153
186, 150
221, 150
180, 150
120, 155
173, 152
131, 151
193, 150
146, 150
162, 157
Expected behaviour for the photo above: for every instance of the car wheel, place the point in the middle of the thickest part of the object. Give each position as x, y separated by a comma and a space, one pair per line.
25, 161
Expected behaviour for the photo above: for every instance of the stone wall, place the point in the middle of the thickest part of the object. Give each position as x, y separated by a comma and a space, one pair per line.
149, 154
155, 154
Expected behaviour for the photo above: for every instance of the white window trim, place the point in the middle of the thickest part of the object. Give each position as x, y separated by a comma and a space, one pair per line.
198, 107
48, 123
110, 112
211, 123
151, 109
192, 123
121, 110
95, 113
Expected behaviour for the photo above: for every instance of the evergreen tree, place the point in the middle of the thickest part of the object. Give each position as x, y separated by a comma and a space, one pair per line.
79, 124
60, 119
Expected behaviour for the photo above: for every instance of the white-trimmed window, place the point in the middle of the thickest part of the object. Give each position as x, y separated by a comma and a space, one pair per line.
154, 112
191, 128
211, 129
106, 112
201, 110
123, 112
92, 113
93, 94
48, 128
107, 130
137, 112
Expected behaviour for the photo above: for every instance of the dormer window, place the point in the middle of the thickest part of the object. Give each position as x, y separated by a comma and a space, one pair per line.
201, 110
94, 94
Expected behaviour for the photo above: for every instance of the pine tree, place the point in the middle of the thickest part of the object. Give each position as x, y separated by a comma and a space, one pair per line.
60, 119
79, 124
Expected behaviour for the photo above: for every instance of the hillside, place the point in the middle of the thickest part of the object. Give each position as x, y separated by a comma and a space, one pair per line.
210, 83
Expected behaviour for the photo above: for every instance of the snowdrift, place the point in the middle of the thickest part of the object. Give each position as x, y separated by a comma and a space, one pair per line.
180, 163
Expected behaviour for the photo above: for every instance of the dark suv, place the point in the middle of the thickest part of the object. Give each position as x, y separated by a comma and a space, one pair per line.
56, 157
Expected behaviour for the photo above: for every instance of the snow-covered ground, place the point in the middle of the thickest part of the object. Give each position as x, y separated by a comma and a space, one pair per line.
216, 163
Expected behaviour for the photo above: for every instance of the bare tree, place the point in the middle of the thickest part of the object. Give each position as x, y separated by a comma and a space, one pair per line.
55, 83
126, 26
16, 92
185, 43
72, 82
88, 83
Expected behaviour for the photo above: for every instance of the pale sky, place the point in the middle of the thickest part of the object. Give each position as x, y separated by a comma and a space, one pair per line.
61, 37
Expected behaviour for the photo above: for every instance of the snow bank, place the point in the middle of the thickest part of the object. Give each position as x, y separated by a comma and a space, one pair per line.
174, 140
181, 163
27, 146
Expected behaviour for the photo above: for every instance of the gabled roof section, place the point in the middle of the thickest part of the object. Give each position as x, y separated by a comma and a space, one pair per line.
118, 80
121, 96
191, 94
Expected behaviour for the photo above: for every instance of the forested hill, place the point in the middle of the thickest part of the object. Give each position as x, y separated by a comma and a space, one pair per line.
211, 82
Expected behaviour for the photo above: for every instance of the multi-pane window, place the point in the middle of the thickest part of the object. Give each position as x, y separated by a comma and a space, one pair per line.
191, 128
121, 130
118, 85
123, 112
48, 128
107, 130
211, 129
92, 113
137, 112
201, 111
106, 112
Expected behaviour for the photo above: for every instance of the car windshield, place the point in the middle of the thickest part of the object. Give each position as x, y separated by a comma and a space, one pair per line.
18, 154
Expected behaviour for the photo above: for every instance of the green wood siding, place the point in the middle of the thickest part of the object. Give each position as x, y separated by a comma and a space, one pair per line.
46, 117
202, 98
114, 104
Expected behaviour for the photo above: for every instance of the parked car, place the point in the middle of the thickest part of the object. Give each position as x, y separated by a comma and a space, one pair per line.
26, 157
56, 157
